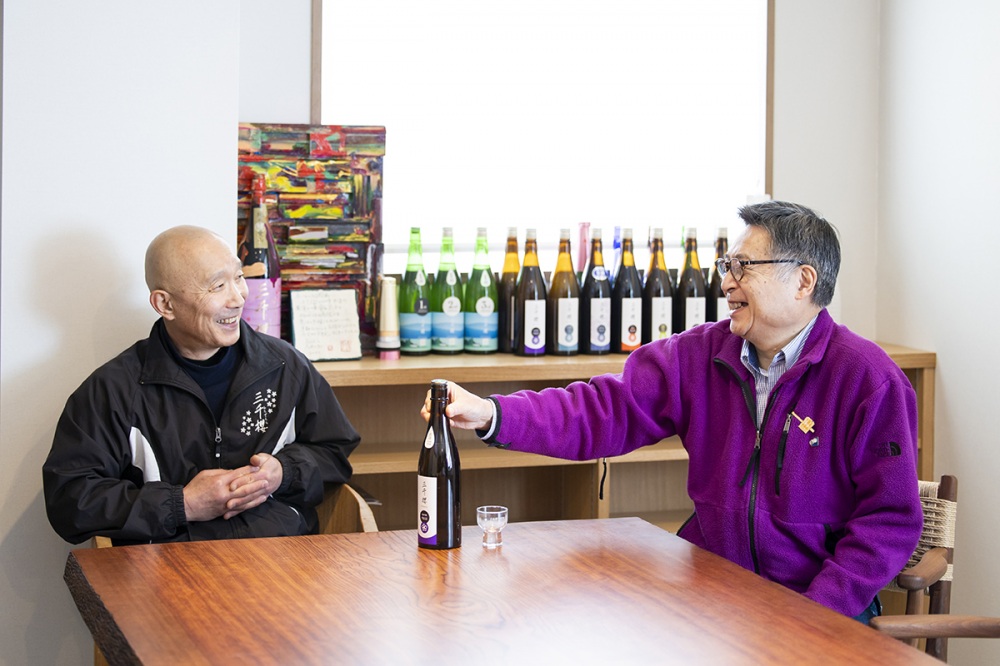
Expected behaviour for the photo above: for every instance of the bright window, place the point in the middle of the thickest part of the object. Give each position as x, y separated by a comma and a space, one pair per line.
548, 113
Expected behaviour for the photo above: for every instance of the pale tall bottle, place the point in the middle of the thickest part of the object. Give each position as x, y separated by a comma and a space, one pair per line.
716, 307
657, 294
626, 301
595, 301
507, 295
447, 322
261, 268
530, 304
563, 313
480, 302
439, 493
414, 302
689, 299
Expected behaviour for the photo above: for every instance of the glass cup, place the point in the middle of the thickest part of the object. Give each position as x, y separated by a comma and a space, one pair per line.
492, 520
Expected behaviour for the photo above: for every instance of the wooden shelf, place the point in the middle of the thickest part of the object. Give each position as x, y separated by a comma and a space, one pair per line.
484, 458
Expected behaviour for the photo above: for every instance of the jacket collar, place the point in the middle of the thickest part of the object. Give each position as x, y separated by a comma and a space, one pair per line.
812, 351
159, 366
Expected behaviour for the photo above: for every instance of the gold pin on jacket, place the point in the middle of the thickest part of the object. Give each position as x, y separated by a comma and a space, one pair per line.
805, 424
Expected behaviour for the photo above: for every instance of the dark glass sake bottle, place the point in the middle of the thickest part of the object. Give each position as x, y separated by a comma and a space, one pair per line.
439, 495
414, 302
563, 315
716, 307
480, 303
595, 301
447, 322
657, 294
530, 305
626, 302
261, 269
689, 299
507, 294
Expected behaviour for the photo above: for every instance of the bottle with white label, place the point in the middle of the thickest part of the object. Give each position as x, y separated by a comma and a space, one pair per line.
480, 305
716, 307
529, 307
447, 322
563, 314
414, 302
657, 294
439, 496
689, 299
626, 302
595, 301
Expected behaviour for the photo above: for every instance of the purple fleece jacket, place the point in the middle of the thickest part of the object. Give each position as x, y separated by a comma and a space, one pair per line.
832, 513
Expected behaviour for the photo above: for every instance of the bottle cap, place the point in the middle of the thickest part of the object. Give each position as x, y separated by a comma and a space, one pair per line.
530, 233
446, 231
658, 233
723, 232
511, 232
692, 232
564, 234
627, 232
595, 233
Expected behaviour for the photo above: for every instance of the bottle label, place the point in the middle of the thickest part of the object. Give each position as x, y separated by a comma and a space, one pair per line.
484, 279
481, 329
427, 509
600, 273
451, 278
631, 323
414, 332
262, 310
722, 309
448, 327
662, 319
694, 311
600, 324
485, 306
534, 327
568, 324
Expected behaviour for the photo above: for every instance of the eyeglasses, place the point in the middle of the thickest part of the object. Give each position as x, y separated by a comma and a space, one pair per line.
736, 265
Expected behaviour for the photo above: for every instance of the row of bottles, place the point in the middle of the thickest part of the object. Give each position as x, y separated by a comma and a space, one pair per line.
525, 316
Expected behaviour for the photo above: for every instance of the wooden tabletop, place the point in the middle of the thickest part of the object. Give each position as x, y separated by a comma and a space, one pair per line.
586, 591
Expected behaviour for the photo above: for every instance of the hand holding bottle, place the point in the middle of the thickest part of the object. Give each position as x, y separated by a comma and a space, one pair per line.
465, 410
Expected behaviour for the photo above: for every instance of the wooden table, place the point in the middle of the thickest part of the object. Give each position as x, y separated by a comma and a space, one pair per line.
564, 592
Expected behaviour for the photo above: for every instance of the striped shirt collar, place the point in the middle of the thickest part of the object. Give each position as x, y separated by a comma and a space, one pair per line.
785, 358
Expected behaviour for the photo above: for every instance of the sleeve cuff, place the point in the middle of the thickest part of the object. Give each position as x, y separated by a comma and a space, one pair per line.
489, 436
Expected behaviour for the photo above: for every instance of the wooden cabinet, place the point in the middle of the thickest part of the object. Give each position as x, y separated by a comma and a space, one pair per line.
383, 400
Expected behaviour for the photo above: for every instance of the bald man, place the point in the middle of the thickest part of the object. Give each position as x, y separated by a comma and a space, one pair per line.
205, 429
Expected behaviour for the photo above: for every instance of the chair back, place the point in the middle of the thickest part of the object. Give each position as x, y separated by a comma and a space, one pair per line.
343, 510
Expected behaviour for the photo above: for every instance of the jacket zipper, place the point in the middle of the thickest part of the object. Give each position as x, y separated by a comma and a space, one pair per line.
781, 454
753, 465
218, 446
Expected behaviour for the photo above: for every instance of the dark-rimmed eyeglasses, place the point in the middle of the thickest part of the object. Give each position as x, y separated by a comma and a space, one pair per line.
736, 265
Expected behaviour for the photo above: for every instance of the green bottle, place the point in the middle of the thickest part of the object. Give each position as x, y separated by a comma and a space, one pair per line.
480, 304
414, 302
447, 323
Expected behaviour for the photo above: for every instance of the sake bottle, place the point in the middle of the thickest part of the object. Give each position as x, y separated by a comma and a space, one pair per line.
439, 496
595, 301
480, 303
657, 294
563, 310
689, 299
507, 294
414, 302
447, 323
626, 301
261, 270
716, 307
530, 304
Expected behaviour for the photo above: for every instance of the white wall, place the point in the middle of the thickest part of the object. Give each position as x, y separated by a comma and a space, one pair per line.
939, 181
119, 120
826, 133
274, 61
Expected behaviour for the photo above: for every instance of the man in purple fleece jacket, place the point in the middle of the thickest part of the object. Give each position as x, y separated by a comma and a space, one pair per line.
802, 436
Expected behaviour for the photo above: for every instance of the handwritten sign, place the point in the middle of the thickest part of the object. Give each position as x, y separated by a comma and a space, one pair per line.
325, 324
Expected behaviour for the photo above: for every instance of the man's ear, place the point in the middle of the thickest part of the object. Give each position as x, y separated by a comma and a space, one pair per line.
162, 303
807, 281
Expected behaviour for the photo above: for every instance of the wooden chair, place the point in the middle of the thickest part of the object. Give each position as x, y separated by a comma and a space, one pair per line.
927, 580
343, 510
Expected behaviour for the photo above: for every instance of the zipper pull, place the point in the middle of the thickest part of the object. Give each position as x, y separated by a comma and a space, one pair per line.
781, 455
753, 457
218, 448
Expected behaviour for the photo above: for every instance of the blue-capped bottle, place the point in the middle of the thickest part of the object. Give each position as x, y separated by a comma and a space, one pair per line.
480, 303
414, 302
